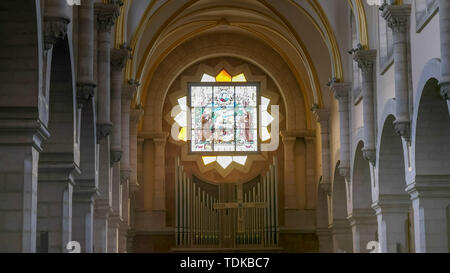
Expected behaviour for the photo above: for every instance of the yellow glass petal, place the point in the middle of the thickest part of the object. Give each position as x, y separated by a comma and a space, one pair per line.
182, 134
239, 78
223, 76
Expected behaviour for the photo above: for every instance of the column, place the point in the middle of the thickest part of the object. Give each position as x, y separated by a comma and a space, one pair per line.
397, 18
364, 228
20, 145
392, 214
135, 115
57, 15
342, 236
311, 189
128, 92
322, 117
322, 231
55, 191
86, 184
85, 72
444, 22
106, 15
290, 188
366, 59
159, 189
341, 93
430, 198
118, 60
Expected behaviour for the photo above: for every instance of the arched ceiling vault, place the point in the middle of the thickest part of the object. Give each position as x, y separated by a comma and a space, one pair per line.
299, 30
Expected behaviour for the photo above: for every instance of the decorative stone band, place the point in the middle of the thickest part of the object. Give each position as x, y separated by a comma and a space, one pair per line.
85, 191
392, 203
106, 15
340, 226
102, 208
397, 17
125, 175
55, 28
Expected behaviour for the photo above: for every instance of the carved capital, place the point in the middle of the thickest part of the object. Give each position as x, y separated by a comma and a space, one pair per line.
365, 59
135, 115
320, 114
55, 28
369, 155
341, 90
115, 156
325, 186
85, 91
403, 129
124, 175
128, 91
103, 130
445, 90
106, 15
344, 171
397, 17
119, 58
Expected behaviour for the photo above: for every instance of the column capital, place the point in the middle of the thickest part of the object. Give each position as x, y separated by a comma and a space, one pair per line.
369, 154
56, 19
85, 90
397, 17
362, 217
129, 90
320, 114
391, 203
103, 130
365, 59
341, 90
294, 134
325, 186
135, 115
107, 14
115, 156
429, 186
23, 131
445, 90
344, 171
125, 175
119, 58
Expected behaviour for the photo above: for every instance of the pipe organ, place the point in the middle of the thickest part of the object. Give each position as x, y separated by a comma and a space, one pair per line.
243, 215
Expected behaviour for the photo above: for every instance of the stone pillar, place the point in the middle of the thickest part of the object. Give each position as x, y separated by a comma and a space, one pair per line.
83, 218
128, 92
55, 190
154, 179
322, 117
20, 145
135, 115
159, 189
57, 15
364, 228
366, 60
86, 184
290, 187
444, 22
431, 204
397, 18
311, 188
392, 214
342, 236
341, 93
118, 61
106, 16
85, 73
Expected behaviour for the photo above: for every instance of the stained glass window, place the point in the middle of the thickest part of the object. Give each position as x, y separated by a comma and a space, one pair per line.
224, 117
